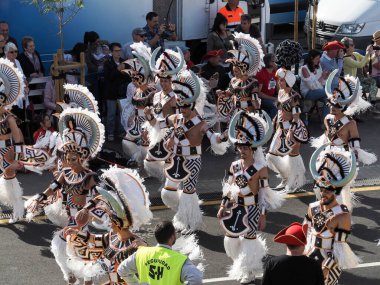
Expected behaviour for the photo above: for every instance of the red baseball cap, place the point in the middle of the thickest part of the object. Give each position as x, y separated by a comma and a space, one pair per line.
333, 45
292, 235
213, 53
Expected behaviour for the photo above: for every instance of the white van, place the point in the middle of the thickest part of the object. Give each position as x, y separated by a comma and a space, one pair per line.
357, 19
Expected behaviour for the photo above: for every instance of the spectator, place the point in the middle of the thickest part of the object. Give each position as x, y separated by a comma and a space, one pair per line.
219, 38
168, 266
352, 61
4, 30
293, 268
332, 58
138, 35
267, 85
313, 80
11, 51
115, 88
186, 54
247, 27
2, 45
375, 73
45, 125
156, 33
30, 59
232, 12
213, 69
74, 54
50, 98
95, 58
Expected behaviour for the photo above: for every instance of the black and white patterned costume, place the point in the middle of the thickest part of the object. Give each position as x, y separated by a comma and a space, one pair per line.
331, 169
282, 156
346, 97
244, 206
185, 162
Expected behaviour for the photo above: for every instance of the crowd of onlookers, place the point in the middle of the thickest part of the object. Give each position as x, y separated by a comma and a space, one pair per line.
105, 62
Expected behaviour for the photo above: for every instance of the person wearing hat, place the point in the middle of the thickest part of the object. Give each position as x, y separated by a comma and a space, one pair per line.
246, 61
294, 267
168, 64
138, 35
290, 131
341, 129
82, 136
11, 89
327, 222
124, 200
185, 146
213, 70
186, 54
247, 196
332, 58
136, 142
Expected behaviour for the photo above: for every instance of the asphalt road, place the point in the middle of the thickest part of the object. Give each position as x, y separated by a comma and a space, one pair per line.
26, 257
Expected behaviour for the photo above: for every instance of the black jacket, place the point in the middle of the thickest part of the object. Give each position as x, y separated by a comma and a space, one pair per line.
27, 65
115, 81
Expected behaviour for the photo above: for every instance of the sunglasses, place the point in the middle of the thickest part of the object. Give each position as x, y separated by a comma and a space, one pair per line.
13, 51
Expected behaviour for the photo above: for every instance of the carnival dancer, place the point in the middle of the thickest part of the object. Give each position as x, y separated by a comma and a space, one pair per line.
247, 197
164, 104
188, 129
290, 131
135, 142
328, 222
126, 202
11, 89
76, 96
82, 136
242, 93
341, 129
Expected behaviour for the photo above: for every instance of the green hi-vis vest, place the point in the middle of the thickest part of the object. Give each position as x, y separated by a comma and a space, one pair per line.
159, 265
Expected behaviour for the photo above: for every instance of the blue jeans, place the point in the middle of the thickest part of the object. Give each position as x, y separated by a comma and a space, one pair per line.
113, 119
269, 106
318, 95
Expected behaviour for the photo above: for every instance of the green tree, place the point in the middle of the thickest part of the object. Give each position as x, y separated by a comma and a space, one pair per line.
65, 10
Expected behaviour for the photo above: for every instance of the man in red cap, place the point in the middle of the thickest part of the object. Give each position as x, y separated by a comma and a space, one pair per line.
215, 72
294, 267
332, 58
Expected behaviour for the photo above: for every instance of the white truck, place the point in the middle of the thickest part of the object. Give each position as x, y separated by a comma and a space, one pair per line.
335, 19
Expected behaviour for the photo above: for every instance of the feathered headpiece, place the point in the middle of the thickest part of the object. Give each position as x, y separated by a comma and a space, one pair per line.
288, 53
138, 68
250, 129
332, 168
249, 55
81, 132
127, 197
190, 90
11, 83
346, 96
168, 64
78, 96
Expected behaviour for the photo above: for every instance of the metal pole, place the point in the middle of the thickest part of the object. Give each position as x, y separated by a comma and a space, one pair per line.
263, 21
313, 31
296, 20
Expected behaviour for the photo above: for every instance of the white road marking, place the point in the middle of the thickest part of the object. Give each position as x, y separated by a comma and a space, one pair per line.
225, 279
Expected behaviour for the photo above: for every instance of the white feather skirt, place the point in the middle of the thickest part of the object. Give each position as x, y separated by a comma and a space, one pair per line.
189, 214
